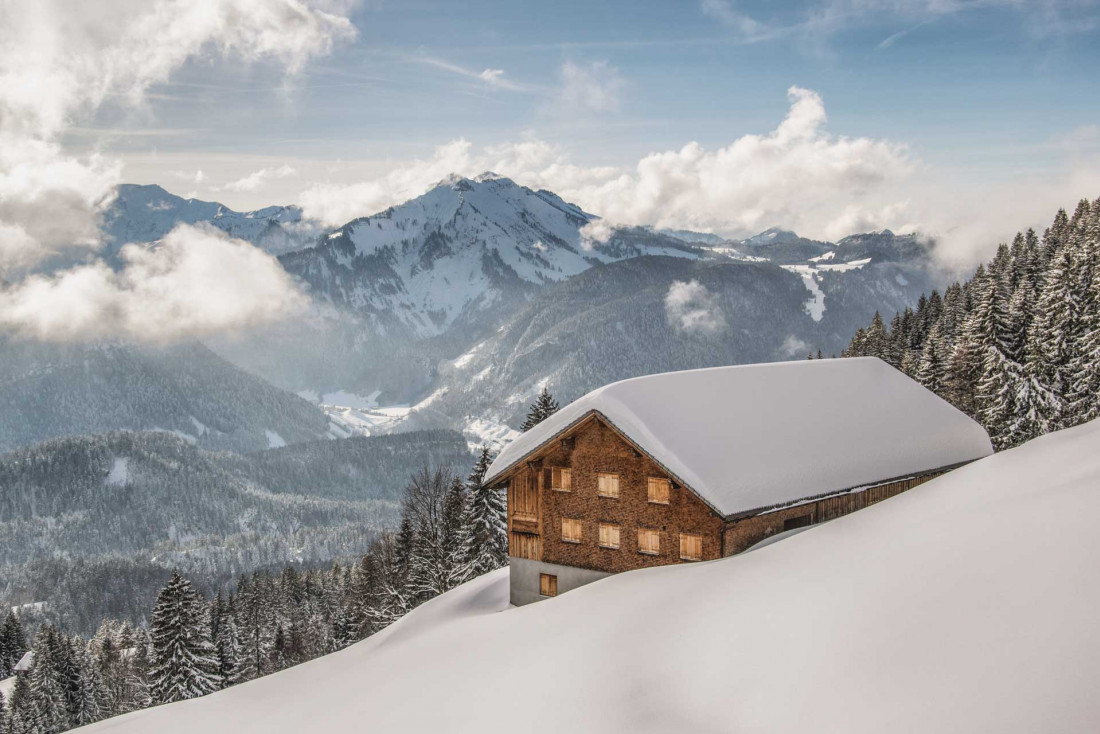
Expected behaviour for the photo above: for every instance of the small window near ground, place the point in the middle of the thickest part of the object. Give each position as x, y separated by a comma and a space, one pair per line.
609, 535
649, 541
571, 530
691, 547
607, 484
561, 479
658, 490
796, 522
548, 584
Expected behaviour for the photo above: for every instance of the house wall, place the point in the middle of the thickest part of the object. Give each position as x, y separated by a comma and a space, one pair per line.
523, 576
594, 448
744, 533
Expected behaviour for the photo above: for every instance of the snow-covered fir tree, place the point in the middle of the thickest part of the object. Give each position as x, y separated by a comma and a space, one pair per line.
1017, 346
486, 522
543, 407
184, 666
13, 644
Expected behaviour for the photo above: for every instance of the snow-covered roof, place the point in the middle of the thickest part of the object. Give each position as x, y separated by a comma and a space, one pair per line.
754, 436
25, 662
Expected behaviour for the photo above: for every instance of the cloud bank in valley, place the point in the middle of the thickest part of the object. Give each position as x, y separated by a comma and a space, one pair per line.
690, 307
59, 63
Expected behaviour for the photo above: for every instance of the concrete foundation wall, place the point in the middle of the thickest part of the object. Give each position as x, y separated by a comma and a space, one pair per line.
524, 578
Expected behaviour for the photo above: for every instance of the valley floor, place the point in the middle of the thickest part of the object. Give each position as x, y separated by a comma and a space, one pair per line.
967, 604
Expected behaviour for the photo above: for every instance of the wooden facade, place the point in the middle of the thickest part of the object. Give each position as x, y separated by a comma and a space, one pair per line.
591, 499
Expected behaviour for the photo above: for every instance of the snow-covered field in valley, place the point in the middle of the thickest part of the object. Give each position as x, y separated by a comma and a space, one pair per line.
967, 604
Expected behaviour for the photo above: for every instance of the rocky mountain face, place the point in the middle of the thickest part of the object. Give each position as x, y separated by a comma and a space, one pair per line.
462, 253
147, 213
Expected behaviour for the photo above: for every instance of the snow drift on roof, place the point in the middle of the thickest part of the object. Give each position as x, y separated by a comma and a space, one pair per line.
755, 436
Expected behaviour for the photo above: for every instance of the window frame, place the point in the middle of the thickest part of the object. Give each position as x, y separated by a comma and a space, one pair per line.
697, 536
580, 530
649, 490
618, 484
657, 534
548, 589
618, 528
564, 476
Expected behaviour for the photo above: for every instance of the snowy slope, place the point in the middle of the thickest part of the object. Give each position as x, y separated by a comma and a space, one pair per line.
967, 604
148, 213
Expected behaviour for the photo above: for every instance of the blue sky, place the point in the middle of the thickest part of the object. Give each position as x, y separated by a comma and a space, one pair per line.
950, 104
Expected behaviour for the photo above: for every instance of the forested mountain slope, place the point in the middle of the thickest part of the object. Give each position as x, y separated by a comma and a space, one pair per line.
67, 389
656, 314
132, 506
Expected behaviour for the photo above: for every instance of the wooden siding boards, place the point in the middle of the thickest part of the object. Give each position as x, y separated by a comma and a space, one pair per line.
591, 446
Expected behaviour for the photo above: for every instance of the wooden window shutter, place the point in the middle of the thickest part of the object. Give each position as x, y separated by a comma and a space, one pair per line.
571, 530
548, 584
649, 541
561, 479
609, 535
691, 547
607, 484
659, 490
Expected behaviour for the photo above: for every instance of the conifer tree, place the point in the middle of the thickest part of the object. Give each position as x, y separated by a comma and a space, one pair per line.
13, 644
543, 407
487, 539
184, 666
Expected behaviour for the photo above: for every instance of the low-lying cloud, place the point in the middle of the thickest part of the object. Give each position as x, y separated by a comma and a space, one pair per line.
59, 63
195, 282
691, 308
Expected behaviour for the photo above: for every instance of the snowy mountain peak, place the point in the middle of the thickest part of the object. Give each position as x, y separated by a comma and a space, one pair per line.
463, 246
771, 236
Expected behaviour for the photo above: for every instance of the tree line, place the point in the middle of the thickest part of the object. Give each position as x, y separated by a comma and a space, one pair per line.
450, 531
1016, 346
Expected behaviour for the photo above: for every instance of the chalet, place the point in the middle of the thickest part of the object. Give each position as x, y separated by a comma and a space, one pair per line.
698, 465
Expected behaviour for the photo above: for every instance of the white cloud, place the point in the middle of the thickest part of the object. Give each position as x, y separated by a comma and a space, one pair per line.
594, 87
256, 179
691, 308
492, 77
598, 231
726, 13
61, 61
193, 283
794, 347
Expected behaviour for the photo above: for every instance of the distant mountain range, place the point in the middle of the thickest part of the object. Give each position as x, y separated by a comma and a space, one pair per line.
148, 213
485, 274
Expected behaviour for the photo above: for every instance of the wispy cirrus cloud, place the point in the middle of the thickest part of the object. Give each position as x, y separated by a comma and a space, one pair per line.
491, 77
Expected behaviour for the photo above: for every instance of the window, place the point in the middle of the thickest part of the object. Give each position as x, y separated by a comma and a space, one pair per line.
796, 522
561, 479
607, 485
609, 535
649, 541
691, 547
658, 490
548, 584
570, 530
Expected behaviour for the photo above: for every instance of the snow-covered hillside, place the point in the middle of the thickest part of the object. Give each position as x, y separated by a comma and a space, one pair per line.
148, 213
967, 604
